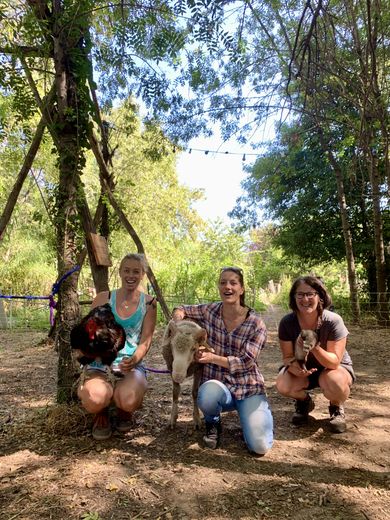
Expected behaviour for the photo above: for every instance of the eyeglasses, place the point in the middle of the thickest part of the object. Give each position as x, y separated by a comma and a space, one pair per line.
309, 294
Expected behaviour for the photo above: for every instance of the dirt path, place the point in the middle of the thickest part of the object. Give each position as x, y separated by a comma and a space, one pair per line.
50, 467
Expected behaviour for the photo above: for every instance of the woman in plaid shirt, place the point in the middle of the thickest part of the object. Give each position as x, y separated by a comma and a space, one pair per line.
231, 378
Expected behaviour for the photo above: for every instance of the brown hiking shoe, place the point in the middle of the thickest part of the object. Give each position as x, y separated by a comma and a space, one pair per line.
213, 435
302, 410
337, 422
124, 421
101, 428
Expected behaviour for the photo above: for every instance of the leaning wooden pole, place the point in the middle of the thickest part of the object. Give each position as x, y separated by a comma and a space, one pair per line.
27, 163
105, 179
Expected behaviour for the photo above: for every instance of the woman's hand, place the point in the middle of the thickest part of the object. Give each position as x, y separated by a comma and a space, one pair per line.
202, 356
296, 370
128, 363
178, 315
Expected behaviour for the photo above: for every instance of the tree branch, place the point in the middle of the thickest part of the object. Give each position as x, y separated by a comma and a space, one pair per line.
23, 50
28, 160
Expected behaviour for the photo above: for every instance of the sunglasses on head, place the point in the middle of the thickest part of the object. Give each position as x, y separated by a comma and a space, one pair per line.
237, 270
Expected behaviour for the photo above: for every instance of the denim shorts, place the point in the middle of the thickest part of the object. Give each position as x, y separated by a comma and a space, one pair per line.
120, 375
108, 374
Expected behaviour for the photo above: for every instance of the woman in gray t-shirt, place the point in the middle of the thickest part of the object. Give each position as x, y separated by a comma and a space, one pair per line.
327, 364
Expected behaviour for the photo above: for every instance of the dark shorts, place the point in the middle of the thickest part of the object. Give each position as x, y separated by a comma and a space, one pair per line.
313, 378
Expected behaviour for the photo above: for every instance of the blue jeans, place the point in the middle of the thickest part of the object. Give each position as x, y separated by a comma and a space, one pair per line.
255, 415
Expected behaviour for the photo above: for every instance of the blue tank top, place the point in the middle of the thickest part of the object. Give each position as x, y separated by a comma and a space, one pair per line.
132, 326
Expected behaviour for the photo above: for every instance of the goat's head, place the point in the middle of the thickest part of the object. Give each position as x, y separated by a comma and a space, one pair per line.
185, 338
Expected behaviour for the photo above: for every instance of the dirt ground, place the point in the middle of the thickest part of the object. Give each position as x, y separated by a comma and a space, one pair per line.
50, 467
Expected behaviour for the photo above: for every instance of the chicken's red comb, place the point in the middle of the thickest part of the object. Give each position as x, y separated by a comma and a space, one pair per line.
91, 327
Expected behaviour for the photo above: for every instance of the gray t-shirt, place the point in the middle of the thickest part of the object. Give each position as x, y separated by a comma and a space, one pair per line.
332, 328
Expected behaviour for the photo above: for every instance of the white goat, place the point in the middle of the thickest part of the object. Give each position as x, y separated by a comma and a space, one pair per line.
181, 340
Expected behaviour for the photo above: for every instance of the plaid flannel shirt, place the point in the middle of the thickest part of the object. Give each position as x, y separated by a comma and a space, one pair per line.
241, 347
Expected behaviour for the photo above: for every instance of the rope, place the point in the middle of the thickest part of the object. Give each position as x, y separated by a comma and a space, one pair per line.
56, 285
157, 370
54, 290
12, 297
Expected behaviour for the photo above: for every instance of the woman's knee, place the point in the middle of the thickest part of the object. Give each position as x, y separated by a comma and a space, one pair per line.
284, 385
129, 395
259, 446
210, 396
95, 398
257, 424
260, 438
335, 384
129, 401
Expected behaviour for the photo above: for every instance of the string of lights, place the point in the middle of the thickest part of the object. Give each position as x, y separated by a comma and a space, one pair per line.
221, 152
205, 151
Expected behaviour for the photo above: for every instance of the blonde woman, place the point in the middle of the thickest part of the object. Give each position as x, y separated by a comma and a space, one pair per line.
135, 311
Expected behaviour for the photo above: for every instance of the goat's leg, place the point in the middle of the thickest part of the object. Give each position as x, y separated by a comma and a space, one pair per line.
195, 387
175, 403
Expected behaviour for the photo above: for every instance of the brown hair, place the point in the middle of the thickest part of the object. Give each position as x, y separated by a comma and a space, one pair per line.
318, 286
138, 257
240, 273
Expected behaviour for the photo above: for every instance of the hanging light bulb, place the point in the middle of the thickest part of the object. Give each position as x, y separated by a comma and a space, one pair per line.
244, 157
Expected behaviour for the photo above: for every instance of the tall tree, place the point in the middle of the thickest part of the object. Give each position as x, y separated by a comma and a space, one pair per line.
60, 40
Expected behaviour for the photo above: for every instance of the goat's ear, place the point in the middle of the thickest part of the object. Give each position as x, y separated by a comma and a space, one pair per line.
201, 337
169, 331
208, 348
172, 328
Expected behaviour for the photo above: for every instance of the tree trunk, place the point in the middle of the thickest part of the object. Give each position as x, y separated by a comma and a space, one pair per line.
99, 272
68, 310
374, 114
70, 130
380, 260
352, 278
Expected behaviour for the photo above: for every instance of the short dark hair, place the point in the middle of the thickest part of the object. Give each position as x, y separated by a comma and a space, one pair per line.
240, 273
318, 286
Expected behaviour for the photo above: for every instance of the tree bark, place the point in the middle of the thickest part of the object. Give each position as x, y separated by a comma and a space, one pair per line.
99, 272
351, 267
374, 117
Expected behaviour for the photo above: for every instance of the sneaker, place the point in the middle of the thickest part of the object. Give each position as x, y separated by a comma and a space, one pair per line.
337, 422
302, 410
124, 421
101, 428
213, 434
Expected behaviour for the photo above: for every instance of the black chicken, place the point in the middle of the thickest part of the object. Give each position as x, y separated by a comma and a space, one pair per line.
98, 336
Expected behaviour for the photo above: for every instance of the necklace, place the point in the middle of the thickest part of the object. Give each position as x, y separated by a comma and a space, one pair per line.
125, 304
